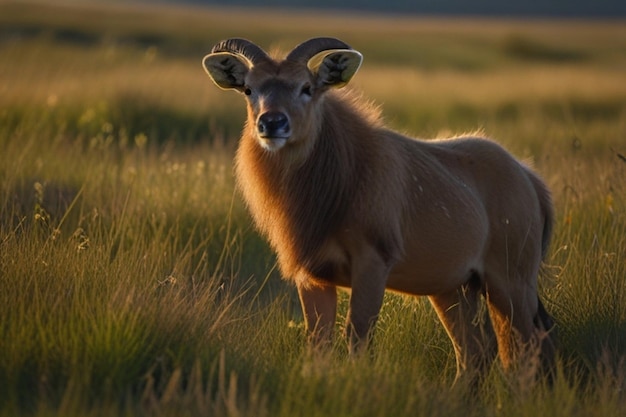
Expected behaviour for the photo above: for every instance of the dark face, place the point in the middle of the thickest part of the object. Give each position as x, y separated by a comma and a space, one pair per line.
281, 100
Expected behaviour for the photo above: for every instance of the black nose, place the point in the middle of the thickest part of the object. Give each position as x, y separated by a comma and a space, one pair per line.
273, 124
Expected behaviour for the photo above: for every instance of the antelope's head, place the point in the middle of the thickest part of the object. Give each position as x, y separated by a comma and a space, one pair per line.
282, 96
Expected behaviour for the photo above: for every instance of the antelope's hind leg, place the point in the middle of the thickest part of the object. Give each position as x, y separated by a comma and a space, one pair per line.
524, 330
469, 329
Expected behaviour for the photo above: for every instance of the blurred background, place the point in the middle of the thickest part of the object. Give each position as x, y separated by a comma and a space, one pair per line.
551, 8
132, 281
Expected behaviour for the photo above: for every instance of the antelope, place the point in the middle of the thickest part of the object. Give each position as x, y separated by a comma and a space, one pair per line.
347, 203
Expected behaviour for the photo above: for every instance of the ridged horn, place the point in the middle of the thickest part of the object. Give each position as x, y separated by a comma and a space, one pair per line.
242, 47
308, 49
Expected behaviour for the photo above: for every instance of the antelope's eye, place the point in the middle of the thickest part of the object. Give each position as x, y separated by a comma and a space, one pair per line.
306, 90
247, 91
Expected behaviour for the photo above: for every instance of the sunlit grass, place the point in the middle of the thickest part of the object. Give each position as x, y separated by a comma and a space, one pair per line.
132, 282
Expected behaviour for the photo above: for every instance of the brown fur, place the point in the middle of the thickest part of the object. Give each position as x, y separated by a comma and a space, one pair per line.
348, 203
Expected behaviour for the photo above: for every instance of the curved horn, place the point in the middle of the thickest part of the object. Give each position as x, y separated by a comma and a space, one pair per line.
242, 47
308, 49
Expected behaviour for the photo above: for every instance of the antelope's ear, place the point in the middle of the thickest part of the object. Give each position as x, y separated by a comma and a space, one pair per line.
227, 70
335, 67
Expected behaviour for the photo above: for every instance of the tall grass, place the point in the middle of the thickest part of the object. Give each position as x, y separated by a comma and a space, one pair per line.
132, 282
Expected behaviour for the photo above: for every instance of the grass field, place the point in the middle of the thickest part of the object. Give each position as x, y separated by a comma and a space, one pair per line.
132, 282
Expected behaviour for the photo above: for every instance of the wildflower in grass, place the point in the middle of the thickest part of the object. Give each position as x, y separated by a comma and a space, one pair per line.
40, 214
568, 218
608, 203
82, 239
293, 325
170, 280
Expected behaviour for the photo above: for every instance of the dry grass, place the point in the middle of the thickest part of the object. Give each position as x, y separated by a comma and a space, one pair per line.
133, 283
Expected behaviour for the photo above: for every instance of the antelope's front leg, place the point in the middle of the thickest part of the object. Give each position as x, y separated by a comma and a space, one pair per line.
369, 279
319, 305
